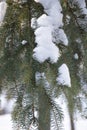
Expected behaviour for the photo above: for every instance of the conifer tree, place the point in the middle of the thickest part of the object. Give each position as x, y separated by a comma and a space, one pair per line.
32, 76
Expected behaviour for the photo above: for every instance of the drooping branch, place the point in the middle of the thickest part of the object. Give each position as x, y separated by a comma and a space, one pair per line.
72, 12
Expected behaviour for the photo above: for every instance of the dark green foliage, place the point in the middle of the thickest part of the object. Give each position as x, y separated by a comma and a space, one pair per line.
18, 68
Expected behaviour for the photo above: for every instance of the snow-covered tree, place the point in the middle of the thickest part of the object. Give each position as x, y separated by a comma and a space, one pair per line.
43, 56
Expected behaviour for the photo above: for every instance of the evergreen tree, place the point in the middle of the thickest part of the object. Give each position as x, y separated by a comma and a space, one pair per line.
32, 77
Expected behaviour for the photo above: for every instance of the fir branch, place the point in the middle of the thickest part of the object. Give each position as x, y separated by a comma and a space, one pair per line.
72, 12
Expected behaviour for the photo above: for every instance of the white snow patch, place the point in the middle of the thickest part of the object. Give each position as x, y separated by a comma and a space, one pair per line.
3, 7
5, 104
43, 53
5, 122
76, 56
81, 124
64, 76
33, 23
23, 42
43, 36
46, 25
44, 20
45, 49
39, 75
68, 19
53, 9
60, 37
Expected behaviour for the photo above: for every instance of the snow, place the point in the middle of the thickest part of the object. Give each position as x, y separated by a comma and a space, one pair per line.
41, 38
33, 23
64, 76
23, 42
46, 49
5, 118
66, 121
81, 13
51, 53
80, 123
3, 7
76, 57
82, 5
53, 9
6, 105
47, 20
5, 122
68, 18
47, 33
45, 25
60, 37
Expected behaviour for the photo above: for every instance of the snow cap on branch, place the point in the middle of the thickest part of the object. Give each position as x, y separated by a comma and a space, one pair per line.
64, 76
46, 24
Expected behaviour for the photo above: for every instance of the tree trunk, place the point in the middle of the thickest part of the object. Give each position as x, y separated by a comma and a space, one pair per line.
44, 110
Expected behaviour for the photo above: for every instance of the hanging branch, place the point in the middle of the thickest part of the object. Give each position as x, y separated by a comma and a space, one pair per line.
16, 87
72, 12
55, 119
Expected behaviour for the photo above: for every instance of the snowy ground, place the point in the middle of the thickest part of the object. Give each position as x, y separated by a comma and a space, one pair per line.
5, 119
5, 122
80, 124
